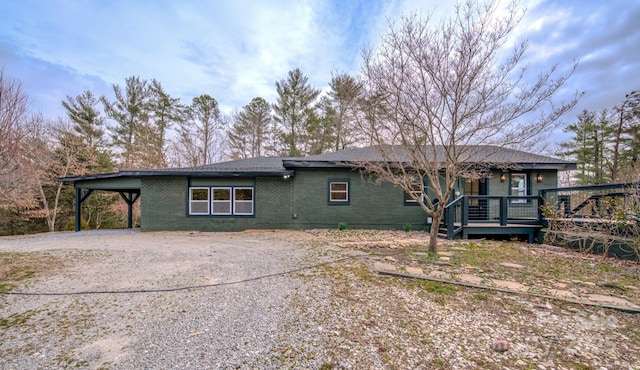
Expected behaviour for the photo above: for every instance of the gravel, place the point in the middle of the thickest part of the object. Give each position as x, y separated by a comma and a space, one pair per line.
245, 300
247, 324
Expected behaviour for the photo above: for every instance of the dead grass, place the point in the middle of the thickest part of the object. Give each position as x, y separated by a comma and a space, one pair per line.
17, 268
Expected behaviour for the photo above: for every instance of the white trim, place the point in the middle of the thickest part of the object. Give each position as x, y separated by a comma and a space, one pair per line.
519, 191
222, 201
200, 201
235, 201
345, 192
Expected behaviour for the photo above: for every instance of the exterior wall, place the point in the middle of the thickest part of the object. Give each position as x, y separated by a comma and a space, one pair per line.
165, 205
300, 202
370, 205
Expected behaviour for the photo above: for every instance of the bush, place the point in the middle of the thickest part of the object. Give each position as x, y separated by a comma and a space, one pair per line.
406, 228
342, 226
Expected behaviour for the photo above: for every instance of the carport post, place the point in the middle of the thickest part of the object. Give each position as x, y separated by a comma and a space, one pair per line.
78, 209
130, 198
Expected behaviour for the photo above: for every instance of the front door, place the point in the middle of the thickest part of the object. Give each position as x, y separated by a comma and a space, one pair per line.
477, 207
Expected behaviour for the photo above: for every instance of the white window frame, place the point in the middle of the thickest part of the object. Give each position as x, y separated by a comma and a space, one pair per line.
192, 201
420, 193
519, 191
332, 192
236, 201
229, 201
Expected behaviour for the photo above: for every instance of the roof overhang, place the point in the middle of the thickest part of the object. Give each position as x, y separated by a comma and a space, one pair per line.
198, 174
561, 166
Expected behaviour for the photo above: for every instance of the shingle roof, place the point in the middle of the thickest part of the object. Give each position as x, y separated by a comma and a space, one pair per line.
471, 154
282, 166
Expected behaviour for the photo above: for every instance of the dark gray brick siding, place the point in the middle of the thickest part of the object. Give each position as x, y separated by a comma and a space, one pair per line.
300, 202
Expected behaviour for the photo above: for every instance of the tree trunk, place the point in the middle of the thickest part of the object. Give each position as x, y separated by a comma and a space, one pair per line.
433, 233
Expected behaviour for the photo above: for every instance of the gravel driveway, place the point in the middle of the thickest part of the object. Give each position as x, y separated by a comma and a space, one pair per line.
245, 300
231, 318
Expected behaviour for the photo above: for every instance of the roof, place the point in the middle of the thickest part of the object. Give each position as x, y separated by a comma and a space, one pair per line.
469, 154
282, 166
251, 167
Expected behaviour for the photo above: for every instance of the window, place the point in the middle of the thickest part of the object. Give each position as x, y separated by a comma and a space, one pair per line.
243, 201
221, 203
416, 192
519, 187
199, 201
339, 192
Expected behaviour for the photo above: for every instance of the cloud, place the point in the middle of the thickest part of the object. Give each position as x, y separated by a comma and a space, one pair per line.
235, 51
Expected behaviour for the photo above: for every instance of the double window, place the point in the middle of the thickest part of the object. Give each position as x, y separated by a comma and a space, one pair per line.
221, 201
339, 192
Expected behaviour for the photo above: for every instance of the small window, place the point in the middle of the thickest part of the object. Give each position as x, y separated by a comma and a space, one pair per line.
199, 201
221, 203
339, 192
519, 187
417, 192
242, 201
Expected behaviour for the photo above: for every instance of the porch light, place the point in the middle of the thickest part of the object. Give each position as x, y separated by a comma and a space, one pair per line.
539, 178
503, 177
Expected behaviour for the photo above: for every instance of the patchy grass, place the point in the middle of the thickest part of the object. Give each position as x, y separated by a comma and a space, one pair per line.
17, 268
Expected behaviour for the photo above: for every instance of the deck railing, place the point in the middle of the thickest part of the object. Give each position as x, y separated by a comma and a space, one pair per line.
490, 210
593, 201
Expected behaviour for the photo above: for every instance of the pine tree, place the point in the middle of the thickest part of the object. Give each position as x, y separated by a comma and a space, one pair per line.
251, 129
293, 112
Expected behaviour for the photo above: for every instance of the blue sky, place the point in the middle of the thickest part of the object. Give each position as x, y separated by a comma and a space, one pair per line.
236, 50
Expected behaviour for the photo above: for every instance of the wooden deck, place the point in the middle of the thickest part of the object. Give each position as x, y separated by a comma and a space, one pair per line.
489, 228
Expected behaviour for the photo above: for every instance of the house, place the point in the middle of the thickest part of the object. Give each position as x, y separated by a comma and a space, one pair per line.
318, 191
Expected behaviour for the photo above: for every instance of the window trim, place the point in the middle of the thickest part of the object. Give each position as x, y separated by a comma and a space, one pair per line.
252, 201
232, 201
410, 201
229, 201
526, 187
191, 200
347, 192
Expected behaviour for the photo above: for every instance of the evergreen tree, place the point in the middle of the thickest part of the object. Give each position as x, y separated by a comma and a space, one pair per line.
625, 163
166, 111
87, 121
130, 111
293, 112
343, 109
250, 132
590, 146
88, 124
200, 134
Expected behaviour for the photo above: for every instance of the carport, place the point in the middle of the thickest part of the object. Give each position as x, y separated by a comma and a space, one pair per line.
127, 184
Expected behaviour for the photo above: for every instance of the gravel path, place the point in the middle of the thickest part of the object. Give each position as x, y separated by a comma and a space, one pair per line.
245, 325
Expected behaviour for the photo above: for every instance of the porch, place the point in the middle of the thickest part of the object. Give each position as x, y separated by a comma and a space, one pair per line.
597, 208
492, 215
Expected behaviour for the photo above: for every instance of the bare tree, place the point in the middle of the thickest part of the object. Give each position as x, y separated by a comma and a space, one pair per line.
61, 153
441, 89
16, 122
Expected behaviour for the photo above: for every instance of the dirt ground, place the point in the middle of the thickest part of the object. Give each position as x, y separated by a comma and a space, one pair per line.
301, 299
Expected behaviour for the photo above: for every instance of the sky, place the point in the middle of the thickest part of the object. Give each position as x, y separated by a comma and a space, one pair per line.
237, 50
